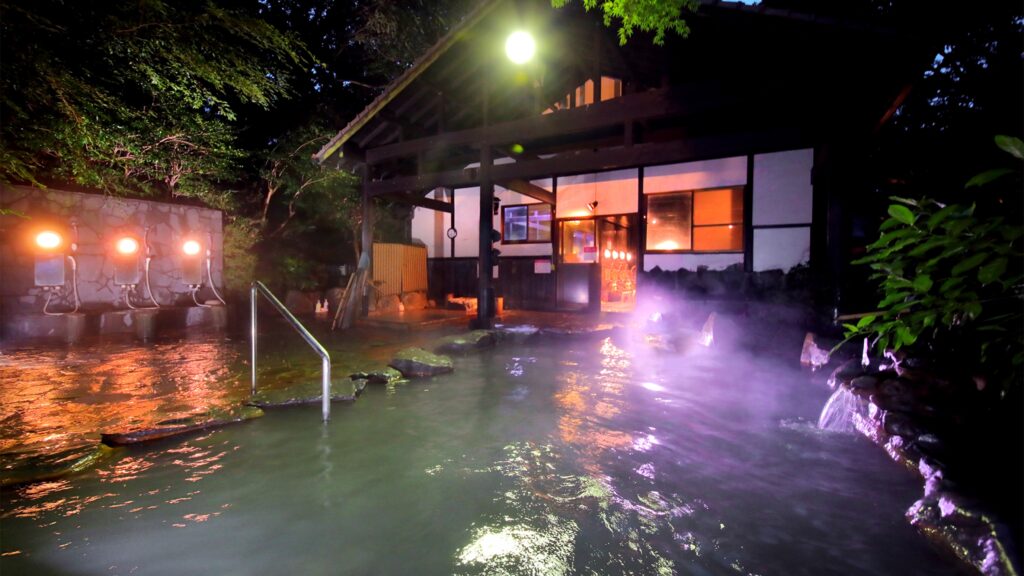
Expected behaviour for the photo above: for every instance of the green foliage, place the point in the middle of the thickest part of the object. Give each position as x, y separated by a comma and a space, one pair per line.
297, 273
658, 16
134, 97
241, 235
312, 195
394, 33
950, 278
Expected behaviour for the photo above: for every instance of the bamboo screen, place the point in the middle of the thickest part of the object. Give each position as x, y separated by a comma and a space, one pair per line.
399, 268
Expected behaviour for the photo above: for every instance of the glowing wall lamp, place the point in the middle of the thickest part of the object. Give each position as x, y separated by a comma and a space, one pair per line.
127, 267
51, 245
520, 47
192, 263
194, 255
49, 258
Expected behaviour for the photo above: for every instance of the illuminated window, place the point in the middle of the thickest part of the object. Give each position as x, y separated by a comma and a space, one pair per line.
583, 95
698, 221
526, 223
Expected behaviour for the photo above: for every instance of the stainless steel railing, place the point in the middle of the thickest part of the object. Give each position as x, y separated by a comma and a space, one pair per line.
259, 288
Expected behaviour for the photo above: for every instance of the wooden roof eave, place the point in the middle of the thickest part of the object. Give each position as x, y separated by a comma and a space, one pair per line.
404, 80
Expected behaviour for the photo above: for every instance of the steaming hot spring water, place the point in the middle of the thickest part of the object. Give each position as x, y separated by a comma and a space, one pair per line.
586, 455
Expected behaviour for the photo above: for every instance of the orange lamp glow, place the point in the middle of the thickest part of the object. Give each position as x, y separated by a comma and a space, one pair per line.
191, 247
127, 246
607, 253
48, 240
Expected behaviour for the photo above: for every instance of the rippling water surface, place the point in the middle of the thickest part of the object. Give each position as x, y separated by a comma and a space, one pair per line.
589, 456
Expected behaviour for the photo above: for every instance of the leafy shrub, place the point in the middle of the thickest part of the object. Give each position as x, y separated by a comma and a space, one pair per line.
240, 238
950, 280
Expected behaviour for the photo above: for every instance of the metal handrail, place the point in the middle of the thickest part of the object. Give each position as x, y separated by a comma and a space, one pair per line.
259, 288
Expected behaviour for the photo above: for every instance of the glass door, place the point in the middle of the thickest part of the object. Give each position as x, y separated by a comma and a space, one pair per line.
618, 258
577, 259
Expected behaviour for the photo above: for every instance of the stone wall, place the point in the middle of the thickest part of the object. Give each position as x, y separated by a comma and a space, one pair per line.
100, 220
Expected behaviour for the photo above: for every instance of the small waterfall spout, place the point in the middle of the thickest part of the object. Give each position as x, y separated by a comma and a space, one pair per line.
837, 415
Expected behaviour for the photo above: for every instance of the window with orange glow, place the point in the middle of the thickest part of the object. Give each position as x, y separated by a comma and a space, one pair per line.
697, 221
584, 95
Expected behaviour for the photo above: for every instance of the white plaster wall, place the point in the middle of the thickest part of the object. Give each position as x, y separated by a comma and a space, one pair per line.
695, 175
781, 248
429, 227
672, 262
615, 192
782, 187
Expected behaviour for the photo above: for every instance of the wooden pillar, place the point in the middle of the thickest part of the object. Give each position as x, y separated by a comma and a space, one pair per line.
748, 217
366, 237
485, 294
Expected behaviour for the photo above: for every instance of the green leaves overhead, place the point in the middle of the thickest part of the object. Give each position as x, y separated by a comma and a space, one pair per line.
901, 214
658, 16
1011, 145
135, 97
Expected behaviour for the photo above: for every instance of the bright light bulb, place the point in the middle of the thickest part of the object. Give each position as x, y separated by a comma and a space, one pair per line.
607, 253
629, 256
520, 47
191, 247
615, 254
127, 245
48, 240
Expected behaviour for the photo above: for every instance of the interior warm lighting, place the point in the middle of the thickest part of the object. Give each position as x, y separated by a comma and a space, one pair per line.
667, 245
127, 246
520, 47
191, 247
48, 240
629, 256
607, 253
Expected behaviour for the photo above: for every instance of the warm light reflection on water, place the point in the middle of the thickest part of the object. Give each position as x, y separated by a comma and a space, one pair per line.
577, 457
60, 400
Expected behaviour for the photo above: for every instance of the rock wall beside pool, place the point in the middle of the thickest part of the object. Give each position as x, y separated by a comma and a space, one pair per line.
100, 219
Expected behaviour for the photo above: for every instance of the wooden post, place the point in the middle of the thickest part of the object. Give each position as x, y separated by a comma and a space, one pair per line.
366, 239
485, 295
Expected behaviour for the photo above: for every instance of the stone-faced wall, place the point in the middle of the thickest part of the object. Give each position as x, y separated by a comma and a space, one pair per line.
100, 220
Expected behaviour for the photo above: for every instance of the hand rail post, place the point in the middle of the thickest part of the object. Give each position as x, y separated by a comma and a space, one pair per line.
326, 400
259, 287
252, 336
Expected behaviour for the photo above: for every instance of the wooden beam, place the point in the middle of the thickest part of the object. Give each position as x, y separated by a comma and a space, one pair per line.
529, 189
584, 161
422, 202
665, 102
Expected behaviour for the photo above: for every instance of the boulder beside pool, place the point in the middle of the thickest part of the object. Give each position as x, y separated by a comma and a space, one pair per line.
386, 376
168, 428
418, 363
465, 343
54, 466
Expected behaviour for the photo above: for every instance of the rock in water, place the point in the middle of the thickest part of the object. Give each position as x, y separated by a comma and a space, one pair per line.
463, 343
813, 355
418, 363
